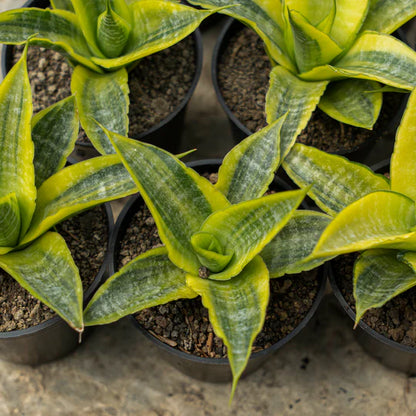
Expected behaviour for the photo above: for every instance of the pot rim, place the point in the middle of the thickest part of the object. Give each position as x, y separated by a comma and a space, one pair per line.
329, 272
5, 57
119, 228
57, 320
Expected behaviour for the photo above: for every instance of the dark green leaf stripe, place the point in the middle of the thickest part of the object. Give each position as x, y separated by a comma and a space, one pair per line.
289, 249
105, 98
9, 221
54, 131
16, 148
386, 16
381, 58
244, 229
237, 310
378, 277
352, 102
264, 17
289, 94
149, 280
47, 270
336, 182
248, 169
79, 187
51, 26
178, 198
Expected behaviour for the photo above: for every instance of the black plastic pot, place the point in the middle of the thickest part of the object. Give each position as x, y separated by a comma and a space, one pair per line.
207, 369
369, 152
167, 133
53, 338
390, 353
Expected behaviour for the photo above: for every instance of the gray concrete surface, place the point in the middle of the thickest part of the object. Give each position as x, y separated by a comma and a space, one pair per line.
116, 372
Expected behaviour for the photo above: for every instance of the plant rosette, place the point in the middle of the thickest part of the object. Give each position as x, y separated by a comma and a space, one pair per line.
38, 192
335, 55
42, 336
222, 242
373, 216
239, 59
293, 302
82, 32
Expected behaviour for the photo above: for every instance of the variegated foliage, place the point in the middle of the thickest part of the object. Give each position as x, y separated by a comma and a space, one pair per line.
230, 232
330, 53
37, 192
371, 213
102, 39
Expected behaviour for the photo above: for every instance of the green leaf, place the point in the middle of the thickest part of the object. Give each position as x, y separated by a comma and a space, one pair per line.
353, 102
54, 132
312, 47
17, 174
409, 258
105, 98
336, 182
289, 94
179, 199
325, 25
88, 12
149, 280
402, 168
112, 32
264, 17
46, 269
244, 229
287, 253
237, 310
248, 169
62, 4
210, 252
380, 58
378, 277
349, 18
380, 219
158, 24
76, 188
386, 16
9, 221
316, 12
56, 29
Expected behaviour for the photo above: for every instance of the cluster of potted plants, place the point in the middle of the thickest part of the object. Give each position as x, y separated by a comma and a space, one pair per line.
219, 261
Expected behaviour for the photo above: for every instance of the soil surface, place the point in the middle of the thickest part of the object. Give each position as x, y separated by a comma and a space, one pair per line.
395, 320
87, 236
184, 324
158, 83
243, 78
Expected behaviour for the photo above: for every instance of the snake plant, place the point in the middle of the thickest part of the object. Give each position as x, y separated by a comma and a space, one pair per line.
372, 214
102, 39
37, 192
328, 53
221, 242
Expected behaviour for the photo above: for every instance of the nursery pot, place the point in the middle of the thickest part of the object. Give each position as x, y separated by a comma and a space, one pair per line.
372, 150
167, 132
52, 339
388, 352
207, 369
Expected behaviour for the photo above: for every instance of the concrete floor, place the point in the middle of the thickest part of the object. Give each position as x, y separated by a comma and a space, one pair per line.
117, 372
